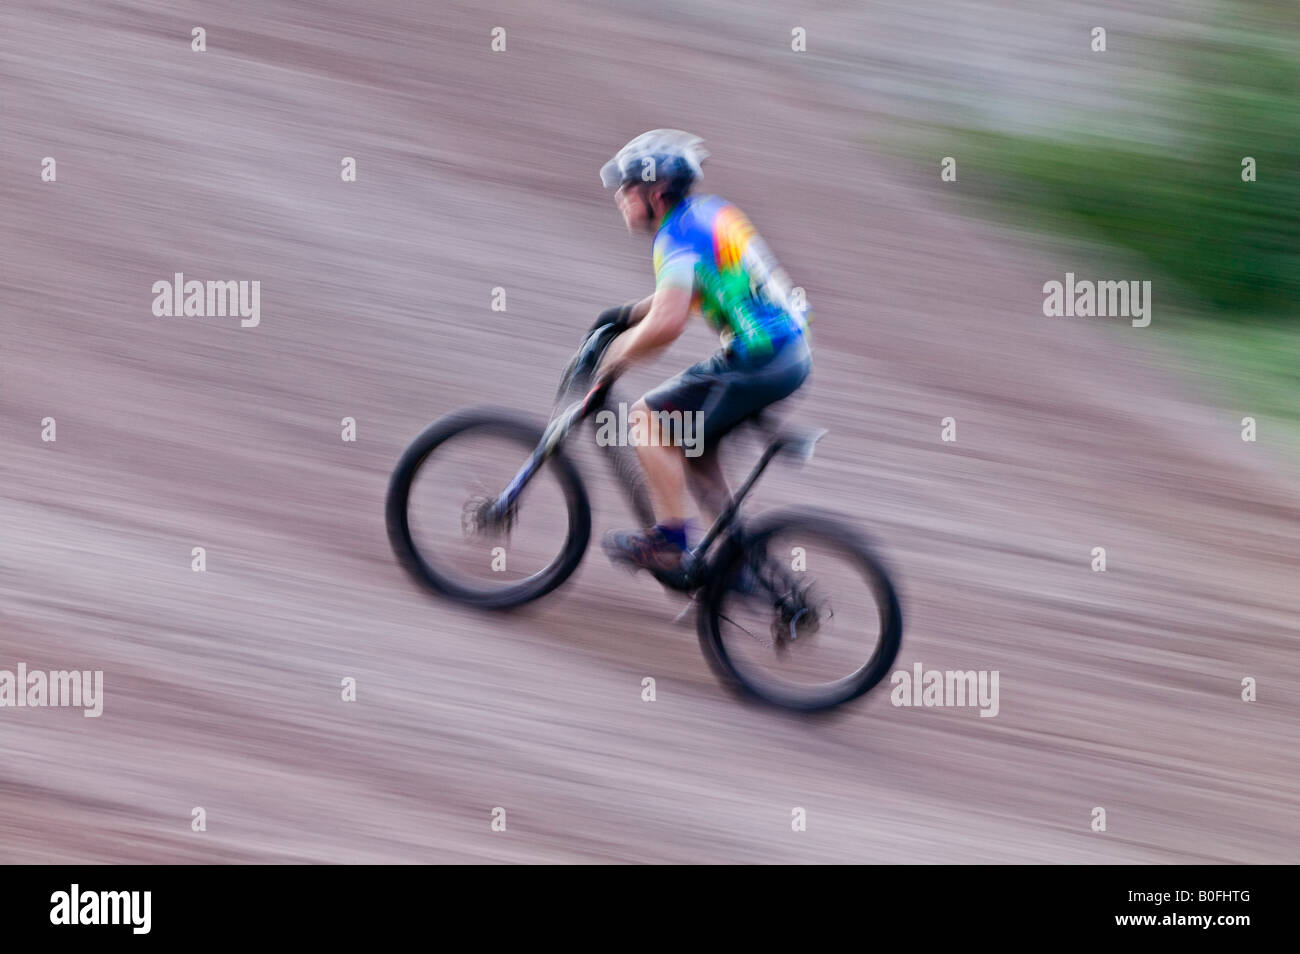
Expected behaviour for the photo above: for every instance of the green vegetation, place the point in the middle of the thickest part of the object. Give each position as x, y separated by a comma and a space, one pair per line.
1170, 199
1183, 208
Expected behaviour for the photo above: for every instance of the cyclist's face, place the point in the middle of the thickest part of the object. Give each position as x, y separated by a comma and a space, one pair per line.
631, 202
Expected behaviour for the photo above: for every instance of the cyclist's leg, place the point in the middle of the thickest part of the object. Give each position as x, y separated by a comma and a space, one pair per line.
665, 472
742, 392
707, 483
712, 398
662, 459
676, 401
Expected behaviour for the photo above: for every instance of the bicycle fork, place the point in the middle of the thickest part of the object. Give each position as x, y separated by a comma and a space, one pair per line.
500, 510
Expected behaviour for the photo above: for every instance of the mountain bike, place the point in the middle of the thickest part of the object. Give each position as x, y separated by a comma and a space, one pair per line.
793, 607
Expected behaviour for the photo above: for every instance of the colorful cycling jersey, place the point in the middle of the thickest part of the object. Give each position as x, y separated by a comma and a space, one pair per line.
706, 244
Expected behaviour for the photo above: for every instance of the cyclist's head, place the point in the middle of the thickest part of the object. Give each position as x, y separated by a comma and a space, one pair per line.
652, 173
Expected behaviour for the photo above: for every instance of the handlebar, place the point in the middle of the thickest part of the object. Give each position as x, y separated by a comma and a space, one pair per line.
587, 359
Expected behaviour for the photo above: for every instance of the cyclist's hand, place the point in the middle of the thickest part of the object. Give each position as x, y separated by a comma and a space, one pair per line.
620, 316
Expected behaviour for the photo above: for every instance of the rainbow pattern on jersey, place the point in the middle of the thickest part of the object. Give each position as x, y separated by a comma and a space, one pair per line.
736, 282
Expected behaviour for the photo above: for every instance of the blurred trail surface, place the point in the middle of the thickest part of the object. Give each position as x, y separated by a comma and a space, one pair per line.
477, 170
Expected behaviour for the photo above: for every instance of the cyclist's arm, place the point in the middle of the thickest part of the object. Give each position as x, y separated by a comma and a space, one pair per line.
623, 316
666, 314
640, 310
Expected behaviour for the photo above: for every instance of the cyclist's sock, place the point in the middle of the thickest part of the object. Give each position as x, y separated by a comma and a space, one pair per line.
673, 533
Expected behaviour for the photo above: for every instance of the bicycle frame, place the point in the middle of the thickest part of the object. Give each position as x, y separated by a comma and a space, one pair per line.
591, 404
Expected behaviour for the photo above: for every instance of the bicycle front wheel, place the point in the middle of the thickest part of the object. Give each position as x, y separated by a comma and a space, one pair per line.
439, 498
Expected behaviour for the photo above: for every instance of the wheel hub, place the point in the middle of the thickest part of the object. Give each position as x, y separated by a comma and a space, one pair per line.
482, 515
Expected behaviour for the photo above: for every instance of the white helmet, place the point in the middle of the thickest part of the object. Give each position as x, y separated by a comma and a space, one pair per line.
660, 155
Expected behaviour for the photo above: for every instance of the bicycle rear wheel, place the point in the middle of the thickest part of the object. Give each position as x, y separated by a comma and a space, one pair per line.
441, 489
800, 613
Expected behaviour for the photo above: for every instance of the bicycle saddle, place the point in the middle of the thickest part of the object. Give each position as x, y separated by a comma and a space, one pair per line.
799, 442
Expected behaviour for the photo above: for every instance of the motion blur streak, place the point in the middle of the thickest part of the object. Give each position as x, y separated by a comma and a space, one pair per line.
479, 170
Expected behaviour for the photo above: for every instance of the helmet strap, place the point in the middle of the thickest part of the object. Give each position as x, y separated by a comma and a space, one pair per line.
649, 209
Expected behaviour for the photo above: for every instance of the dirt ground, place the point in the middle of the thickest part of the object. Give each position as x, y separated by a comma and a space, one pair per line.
478, 170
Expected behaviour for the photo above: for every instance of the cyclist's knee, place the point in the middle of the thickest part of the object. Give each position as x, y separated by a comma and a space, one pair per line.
645, 430
637, 417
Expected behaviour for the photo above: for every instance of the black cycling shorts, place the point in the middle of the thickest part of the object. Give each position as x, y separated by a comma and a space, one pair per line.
728, 388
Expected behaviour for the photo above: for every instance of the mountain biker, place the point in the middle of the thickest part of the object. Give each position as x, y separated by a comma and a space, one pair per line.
707, 258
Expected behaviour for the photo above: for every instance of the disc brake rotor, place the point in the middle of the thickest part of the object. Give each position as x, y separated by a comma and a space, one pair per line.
479, 516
